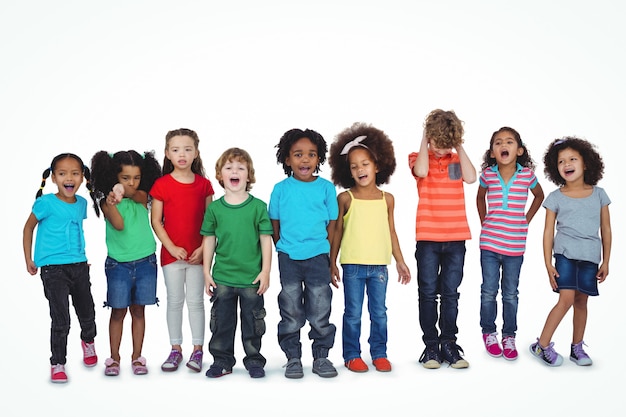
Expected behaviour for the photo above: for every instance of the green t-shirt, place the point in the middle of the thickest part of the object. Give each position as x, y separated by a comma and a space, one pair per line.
237, 229
136, 240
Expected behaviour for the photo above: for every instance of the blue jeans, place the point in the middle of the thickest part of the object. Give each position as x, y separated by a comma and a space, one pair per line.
59, 283
223, 324
305, 295
356, 280
491, 264
439, 274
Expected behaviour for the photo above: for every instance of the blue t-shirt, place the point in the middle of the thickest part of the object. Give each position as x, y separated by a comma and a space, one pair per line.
60, 239
304, 210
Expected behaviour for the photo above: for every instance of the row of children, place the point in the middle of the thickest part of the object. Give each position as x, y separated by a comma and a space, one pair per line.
223, 248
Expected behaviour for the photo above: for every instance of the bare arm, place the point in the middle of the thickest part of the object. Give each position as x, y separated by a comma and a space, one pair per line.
27, 242
420, 169
156, 216
196, 256
111, 213
208, 251
266, 263
606, 235
467, 168
534, 207
481, 205
343, 200
548, 242
276, 227
404, 274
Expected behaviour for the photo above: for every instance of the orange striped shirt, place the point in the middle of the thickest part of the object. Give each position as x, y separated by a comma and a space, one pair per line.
441, 213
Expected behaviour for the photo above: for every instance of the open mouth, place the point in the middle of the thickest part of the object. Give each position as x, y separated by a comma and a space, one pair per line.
234, 181
69, 187
504, 154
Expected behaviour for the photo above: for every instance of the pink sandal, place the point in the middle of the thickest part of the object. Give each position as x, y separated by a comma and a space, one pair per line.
139, 366
112, 367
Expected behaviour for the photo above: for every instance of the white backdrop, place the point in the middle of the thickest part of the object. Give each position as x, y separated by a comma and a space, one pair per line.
86, 76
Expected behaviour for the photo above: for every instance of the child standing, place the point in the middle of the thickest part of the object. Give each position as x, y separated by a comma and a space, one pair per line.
361, 159
121, 182
238, 235
441, 230
179, 199
303, 210
579, 209
507, 175
60, 253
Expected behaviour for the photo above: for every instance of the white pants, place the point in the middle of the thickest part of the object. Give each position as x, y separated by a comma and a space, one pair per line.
184, 282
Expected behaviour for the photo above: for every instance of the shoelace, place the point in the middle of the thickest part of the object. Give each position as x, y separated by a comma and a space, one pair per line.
550, 353
90, 349
579, 351
508, 343
491, 339
58, 368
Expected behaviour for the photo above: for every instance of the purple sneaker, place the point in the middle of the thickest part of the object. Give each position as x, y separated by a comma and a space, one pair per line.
195, 361
172, 361
547, 355
579, 356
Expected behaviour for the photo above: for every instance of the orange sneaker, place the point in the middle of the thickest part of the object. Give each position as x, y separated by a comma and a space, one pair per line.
382, 364
357, 365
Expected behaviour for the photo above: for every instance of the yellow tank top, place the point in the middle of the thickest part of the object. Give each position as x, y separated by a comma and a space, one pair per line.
366, 238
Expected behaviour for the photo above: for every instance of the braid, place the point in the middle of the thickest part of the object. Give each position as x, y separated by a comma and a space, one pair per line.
92, 194
44, 176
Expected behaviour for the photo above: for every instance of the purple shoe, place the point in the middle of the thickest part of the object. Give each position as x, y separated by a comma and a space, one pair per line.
172, 361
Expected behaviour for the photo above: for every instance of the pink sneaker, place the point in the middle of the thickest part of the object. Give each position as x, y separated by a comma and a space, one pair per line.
492, 345
509, 352
57, 373
89, 353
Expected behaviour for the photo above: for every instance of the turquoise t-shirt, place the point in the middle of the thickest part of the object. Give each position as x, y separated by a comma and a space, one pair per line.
136, 240
60, 239
237, 228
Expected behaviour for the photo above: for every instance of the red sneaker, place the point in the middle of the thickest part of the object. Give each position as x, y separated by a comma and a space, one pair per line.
357, 365
492, 345
382, 365
89, 353
57, 373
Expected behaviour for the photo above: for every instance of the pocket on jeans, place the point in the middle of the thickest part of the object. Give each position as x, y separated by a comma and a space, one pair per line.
259, 322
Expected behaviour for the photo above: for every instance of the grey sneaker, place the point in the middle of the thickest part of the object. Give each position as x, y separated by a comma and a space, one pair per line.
324, 368
293, 369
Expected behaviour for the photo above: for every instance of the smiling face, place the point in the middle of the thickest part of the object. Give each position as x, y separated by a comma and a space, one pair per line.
68, 176
505, 148
362, 167
129, 177
181, 150
571, 165
303, 159
234, 176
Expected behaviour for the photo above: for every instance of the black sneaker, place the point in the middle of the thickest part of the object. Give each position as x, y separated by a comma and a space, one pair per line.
430, 358
450, 353
216, 371
293, 369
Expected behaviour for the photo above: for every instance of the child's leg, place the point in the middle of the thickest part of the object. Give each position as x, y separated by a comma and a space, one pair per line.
116, 325
566, 300
317, 305
354, 277
580, 317
452, 262
138, 328
490, 263
195, 304
427, 255
174, 277
56, 289
252, 326
511, 267
80, 290
223, 323
377, 279
290, 304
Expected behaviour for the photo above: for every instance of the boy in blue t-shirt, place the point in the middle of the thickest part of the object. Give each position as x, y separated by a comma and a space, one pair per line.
303, 210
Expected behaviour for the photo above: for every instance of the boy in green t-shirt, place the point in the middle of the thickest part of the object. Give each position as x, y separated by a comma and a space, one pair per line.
238, 237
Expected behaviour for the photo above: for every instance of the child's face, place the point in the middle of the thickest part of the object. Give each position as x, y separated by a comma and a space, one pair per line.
129, 177
505, 148
181, 151
68, 176
362, 167
571, 165
234, 176
303, 159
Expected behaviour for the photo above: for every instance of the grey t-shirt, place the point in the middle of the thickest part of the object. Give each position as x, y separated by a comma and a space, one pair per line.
577, 224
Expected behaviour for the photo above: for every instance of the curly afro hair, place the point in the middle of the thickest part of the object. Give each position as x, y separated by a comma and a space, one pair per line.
444, 129
292, 136
594, 166
524, 159
376, 142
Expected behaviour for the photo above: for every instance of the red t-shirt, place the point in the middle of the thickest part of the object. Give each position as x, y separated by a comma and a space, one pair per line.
183, 211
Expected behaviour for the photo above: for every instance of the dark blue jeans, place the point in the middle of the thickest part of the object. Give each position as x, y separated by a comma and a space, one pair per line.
59, 283
439, 274
223, 324
491, 264
305, 295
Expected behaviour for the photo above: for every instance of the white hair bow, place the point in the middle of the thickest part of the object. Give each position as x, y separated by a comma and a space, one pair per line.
355, 142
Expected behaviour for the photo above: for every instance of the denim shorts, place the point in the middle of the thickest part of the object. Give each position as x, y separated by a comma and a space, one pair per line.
576, 275
131, 283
